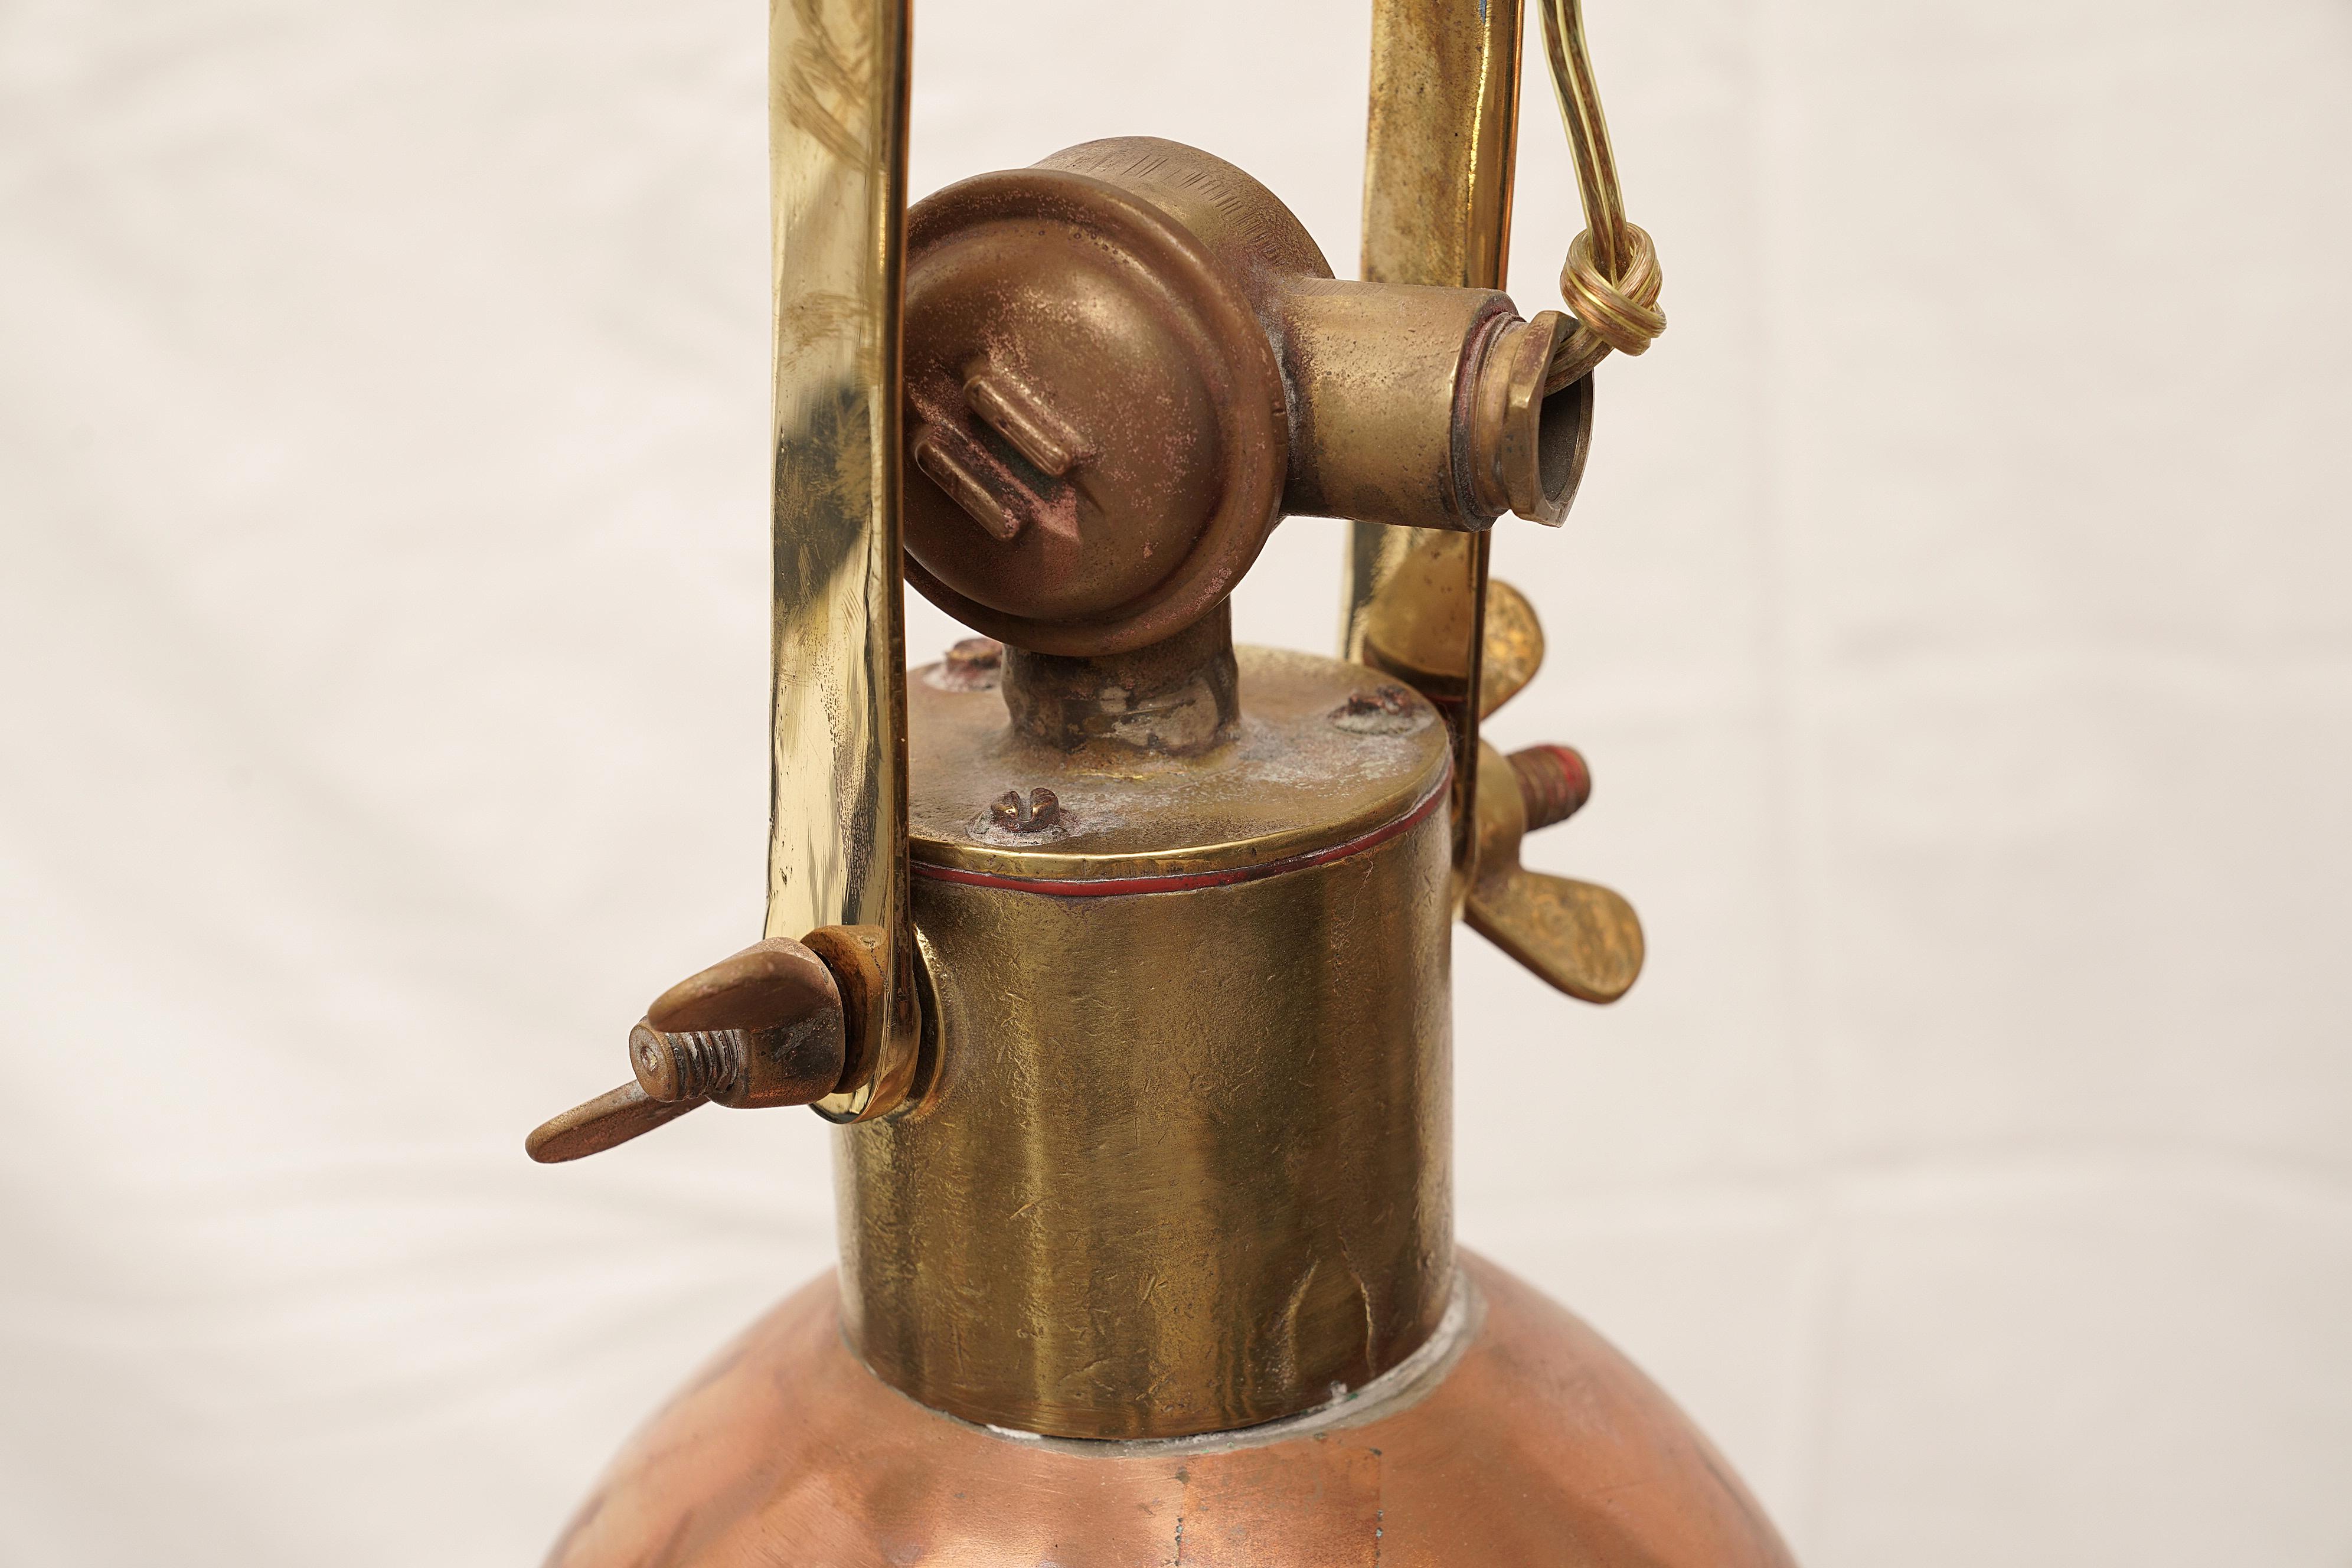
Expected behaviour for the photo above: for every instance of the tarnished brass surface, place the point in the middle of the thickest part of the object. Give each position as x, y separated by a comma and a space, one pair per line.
1442, 141
1528, 440
1151, 1147
1442, 138
1177, 697
1299, 776
763, 1028
1377, 368
1416, 631
1580, 937
1185, 1164
1046, 306
1540, 1446
837, 159
1425, 626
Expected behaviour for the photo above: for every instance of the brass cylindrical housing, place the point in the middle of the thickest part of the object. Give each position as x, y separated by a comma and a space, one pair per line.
1185, 1164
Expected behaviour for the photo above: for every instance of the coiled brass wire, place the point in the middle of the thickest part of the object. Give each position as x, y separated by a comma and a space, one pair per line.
1611, 280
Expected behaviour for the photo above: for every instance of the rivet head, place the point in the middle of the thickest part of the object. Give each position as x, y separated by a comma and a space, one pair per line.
1008, 812
975, 663
1384, 710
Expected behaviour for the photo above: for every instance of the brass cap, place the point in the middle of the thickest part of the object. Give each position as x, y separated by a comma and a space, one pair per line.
1306, 773
1096, 419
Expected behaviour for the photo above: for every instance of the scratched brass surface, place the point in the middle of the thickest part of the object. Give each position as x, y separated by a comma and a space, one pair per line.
1441, 142
1540, 1447
1186, 1163
837, 162
1292, 781
1439, 151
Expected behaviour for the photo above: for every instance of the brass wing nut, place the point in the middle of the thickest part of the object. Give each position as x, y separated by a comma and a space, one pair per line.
1579, 937
766, 1027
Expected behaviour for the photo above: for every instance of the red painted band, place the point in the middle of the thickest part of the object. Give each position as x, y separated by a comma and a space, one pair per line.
1182, 882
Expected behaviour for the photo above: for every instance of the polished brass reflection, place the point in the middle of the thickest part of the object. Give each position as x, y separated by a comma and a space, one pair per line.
837, 163
1610, 278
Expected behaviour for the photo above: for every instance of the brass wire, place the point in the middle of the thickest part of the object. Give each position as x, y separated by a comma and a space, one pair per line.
1611, 279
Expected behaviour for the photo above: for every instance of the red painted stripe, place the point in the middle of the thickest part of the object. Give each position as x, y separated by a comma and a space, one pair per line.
1180, 881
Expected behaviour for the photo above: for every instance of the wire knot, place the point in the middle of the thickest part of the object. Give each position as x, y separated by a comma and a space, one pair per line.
1621, 314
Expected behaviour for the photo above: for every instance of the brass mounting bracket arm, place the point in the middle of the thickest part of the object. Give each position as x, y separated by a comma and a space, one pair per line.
837, 851
1438, 179
837, 93
1439, 151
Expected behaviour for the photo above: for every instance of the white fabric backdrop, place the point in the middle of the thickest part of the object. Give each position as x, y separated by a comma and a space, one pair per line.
1955, 617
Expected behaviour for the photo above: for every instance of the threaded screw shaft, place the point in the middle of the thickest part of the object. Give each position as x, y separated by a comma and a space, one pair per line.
687, 1064
1554, 784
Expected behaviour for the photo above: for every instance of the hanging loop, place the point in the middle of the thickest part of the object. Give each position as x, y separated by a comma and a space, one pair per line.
1611, 279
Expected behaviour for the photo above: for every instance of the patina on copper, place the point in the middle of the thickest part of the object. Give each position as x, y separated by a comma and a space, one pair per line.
1534, 1443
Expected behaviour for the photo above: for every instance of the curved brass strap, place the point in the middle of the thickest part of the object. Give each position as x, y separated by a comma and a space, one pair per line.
1438, 156
1611, 279
837, 844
